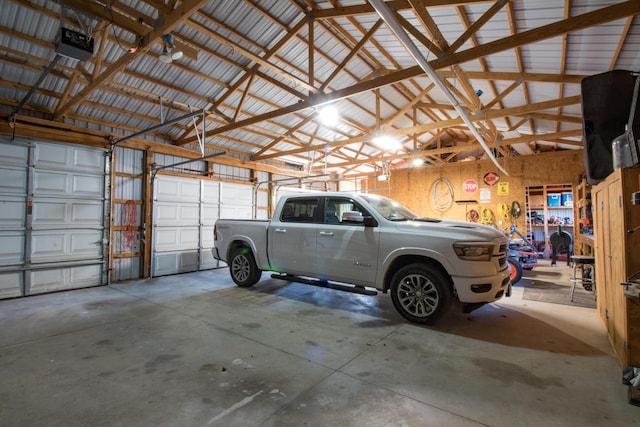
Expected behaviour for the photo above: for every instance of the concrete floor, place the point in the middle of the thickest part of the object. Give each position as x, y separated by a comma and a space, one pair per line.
195, 350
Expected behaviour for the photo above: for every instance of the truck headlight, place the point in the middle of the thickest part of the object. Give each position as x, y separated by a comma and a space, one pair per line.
473, 252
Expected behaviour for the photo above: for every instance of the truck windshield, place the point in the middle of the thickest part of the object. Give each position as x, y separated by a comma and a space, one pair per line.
390, 209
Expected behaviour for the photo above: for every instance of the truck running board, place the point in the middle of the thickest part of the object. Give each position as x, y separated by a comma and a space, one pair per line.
326, 284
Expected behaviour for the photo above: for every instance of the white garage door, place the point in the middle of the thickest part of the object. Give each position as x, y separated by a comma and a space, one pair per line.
185, 211
52, 217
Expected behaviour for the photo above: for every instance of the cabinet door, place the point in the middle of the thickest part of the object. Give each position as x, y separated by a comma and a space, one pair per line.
616, 304
602, 243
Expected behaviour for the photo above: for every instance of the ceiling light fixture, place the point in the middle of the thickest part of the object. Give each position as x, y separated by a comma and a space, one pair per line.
392, 22
329, 115
385, 142
169, 51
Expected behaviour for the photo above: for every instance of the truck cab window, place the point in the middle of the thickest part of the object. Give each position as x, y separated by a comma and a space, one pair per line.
299, 210
341, 210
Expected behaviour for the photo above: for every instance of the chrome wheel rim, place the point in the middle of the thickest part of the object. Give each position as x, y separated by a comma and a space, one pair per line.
240, 268
417, 295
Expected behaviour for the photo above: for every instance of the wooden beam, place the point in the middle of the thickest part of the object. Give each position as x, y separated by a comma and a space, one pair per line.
365, 9
488, 115
175, 18
420, 9
499, 4
575, 23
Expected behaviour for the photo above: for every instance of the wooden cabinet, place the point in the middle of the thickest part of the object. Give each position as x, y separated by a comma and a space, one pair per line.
617, 254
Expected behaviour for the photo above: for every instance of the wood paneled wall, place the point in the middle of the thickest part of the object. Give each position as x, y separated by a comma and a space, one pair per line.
413, 187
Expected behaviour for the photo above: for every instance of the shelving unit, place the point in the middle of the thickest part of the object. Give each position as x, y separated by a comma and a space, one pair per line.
549, 209
583, 223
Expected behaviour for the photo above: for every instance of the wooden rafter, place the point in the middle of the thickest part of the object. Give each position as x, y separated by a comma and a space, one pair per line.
176, 17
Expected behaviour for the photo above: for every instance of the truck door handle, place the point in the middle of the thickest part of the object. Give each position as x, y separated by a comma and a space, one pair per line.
280, 230
326, 233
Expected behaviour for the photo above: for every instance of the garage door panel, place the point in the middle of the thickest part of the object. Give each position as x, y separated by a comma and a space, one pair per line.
66, 245
185, 211
175, 262
236, 212
206, 237
72, 213
87, 213
12, 211
12, 247
172, 239
87, 185
11, 284
13, 154
53, 183
87, 159
176, 189
210, 214
172, 214
43, 281
64, 157
206, 260
211, 192
12, 179
66, 220
236, 194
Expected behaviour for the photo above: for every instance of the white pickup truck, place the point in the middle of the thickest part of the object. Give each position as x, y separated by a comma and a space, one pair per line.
353, 241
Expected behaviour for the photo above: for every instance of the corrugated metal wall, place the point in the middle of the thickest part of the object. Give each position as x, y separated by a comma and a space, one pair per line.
128, 207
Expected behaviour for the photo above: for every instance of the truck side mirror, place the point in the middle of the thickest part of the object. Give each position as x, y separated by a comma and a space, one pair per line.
369, 221
356, 217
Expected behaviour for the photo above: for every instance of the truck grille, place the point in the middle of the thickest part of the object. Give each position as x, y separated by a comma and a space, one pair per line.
502, 252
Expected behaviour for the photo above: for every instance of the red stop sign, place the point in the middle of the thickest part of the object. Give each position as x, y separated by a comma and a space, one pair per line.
470, 186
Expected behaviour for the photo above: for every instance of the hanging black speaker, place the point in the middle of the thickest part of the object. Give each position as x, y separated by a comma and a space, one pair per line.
606, 103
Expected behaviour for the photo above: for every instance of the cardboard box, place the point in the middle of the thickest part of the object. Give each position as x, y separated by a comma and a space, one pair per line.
536, 200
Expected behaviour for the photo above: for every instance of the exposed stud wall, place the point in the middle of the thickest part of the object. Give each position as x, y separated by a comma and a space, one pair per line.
413, 187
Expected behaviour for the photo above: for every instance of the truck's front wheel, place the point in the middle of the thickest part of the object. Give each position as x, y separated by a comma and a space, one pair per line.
243, 268
420, 293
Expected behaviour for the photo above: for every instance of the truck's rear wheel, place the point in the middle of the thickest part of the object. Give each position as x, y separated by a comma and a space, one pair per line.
420, 293
243, 268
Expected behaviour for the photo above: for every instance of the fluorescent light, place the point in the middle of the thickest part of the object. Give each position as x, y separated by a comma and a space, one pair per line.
293, 159
328, 115
386, 143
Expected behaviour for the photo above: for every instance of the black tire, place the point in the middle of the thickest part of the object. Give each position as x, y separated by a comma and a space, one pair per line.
421, 293
516, 270
243, 268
